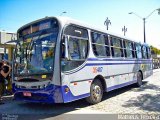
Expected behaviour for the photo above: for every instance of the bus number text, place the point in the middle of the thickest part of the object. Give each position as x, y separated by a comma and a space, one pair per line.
97, 69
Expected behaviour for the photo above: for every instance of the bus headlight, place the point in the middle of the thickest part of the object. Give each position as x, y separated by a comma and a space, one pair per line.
41, 86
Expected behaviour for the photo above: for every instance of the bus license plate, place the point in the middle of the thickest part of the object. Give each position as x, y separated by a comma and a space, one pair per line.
28, 94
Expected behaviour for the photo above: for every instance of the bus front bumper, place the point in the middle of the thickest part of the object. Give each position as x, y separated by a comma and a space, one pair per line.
51, 94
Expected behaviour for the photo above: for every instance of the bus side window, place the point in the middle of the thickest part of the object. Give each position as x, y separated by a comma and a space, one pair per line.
138, 51
144, 52
129, 49
78, 51
116, 47
100, 44
75, 47
134, 50
149, 52
147, 55
124, 49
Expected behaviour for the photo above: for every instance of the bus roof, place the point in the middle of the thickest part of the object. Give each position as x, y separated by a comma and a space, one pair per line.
67, 20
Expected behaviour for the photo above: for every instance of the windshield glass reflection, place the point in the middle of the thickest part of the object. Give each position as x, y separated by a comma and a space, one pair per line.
36, 55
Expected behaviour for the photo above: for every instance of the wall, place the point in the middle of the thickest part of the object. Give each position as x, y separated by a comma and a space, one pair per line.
5, 37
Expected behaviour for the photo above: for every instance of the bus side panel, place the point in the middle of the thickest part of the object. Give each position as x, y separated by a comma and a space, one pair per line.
79, 81
69, 97
117, 71
147, 68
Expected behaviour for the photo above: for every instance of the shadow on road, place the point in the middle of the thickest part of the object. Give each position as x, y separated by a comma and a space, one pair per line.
37, 111
147, 102
123, 90
55, 108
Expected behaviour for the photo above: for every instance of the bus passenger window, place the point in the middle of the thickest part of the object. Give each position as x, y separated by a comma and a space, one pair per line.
144, 52
138, 51
129, 49
100, 44
149, 52
78, 51
116, 47
74, 49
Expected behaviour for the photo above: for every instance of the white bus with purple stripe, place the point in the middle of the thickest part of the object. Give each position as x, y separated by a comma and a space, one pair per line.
59, 60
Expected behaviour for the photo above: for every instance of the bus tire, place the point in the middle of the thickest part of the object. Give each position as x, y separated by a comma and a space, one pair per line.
96, 92
139, 79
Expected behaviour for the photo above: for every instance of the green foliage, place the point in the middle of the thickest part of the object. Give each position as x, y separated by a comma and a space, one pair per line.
155, 50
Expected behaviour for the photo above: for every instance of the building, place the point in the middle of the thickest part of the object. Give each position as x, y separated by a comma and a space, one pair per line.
5, 37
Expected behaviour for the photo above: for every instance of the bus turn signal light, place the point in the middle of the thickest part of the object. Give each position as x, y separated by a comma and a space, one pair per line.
66, 90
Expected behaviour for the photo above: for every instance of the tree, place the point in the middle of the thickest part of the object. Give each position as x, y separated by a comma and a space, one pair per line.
155, 50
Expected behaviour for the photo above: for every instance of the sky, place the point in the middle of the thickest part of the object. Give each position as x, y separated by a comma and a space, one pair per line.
16, 13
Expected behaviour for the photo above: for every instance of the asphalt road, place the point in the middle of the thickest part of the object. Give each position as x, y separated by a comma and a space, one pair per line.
14, 110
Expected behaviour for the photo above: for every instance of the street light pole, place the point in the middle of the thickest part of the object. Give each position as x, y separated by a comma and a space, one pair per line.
144, 21
144, 29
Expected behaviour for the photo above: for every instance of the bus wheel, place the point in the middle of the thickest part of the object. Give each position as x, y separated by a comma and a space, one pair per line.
139, 79
96, 92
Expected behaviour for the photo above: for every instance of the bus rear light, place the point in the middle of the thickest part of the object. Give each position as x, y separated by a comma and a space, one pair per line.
66, 90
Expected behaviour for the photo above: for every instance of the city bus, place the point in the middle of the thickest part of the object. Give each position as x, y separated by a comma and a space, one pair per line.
59, 60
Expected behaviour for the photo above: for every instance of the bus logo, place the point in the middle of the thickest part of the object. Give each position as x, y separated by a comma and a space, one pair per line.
97, 69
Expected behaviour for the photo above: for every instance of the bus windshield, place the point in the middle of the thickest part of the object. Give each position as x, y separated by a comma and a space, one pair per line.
35, 55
